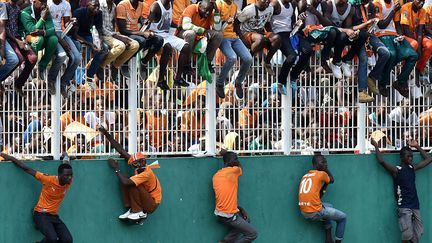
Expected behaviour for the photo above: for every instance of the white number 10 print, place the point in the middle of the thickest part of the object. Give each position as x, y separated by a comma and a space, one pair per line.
305, 185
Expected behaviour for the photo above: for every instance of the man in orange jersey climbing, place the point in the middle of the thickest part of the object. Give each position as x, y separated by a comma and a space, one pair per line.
312, 187
225, 185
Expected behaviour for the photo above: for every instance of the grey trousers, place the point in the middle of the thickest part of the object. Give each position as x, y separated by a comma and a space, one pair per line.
410, 224
241, 231
214, 40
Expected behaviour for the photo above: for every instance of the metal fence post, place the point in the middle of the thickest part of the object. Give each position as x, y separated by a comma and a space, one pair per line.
361, 129
55, 121
133, 106
286, 120
210, 142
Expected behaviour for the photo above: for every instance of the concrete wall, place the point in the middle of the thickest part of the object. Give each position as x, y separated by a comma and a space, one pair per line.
268, 190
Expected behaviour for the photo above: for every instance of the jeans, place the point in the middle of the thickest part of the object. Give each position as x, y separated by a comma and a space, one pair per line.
342, 40
52, 227
74, 59
59, 58
241, 230
11, 62
305, 51
30, 59
97, 58
329, 214
231, 48
153, 44
401, 51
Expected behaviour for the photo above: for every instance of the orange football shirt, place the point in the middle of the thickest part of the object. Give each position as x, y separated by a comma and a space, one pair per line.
309, 191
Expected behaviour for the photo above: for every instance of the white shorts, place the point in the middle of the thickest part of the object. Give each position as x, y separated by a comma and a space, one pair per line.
176, 42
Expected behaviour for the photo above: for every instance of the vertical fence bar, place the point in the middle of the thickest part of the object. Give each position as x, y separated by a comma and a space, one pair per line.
361, 129
286, 119
55, 121
210, 142
133, 106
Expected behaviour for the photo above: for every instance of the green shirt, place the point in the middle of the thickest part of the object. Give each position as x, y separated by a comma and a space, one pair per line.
28, 23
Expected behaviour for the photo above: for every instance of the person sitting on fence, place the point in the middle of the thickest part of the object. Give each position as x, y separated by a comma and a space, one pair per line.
256, 30
199, 21
388, 13
23, 51
232, 47
365, 17
54, 189
225, 186
129, 14
142, 193
405, 191
61, 12
413, 22
122, 48
340, 13
8, 58
160, 21
312, 187
294, 45
84, 33
39, 30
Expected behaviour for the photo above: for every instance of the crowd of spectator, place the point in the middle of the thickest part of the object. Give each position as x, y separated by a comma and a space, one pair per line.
334, 54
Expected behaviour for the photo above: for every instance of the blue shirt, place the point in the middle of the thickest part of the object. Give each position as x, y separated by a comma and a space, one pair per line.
405, 188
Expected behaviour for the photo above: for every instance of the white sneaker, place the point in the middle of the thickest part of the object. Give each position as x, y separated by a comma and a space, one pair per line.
346, 69
125, 215
137, 216
71, 89
336, 69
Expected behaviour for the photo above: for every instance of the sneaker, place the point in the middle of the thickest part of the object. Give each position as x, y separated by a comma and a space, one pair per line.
51, 88
125, 215
384, 91
239, 92
364, 97
41, 74
336, 70
403, 90
181, 82
372, 86
90, 83
220, 91
137, 216
325, 66
268, 68
163, 85
346, 69
124, 70
71, 88
211, 67
63, 90
281, 89
188, 70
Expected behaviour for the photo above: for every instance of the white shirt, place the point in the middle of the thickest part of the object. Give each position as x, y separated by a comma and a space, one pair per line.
3, 12
250, 22
58, 12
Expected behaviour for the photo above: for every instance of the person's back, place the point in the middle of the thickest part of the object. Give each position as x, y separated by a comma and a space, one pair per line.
225, 185
309, 190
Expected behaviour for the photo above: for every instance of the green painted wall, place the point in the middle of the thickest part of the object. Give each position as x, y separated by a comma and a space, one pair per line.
268, 190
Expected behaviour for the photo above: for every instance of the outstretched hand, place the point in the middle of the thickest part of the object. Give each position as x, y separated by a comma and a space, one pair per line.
113, 163
413, 143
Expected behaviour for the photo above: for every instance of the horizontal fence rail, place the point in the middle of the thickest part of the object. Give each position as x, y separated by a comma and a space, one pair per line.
320, 113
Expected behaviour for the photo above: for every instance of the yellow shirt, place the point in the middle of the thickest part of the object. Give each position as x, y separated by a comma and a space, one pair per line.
227, 11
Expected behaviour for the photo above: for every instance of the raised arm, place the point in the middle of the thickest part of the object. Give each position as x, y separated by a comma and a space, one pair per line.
391, 169
18, 163
123, 153
427, 159
124, 179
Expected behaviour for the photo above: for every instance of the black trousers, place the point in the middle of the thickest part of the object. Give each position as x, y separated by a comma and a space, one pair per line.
52, 227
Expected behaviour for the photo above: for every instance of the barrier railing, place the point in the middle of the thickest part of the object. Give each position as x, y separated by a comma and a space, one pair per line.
320, 113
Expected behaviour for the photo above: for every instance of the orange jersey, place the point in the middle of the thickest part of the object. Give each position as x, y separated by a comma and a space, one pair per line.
227, 11
410, 18
125, 11
192, 12
309, 191
146, 8
52, 194
382, 10
246, 119
428, 14
178, 7
150, 182
225, 186
157, 127
190, 122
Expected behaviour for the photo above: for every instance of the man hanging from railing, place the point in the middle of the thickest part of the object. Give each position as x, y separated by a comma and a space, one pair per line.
257, 32
142, 193
387, 11
413, 22
160, 19
40, 33
23, 51
8, 58
199, 21
295, 47
129, 15
88, 30
61, 13
231, 47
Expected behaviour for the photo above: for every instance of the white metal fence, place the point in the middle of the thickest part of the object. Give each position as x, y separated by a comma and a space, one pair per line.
320, 114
